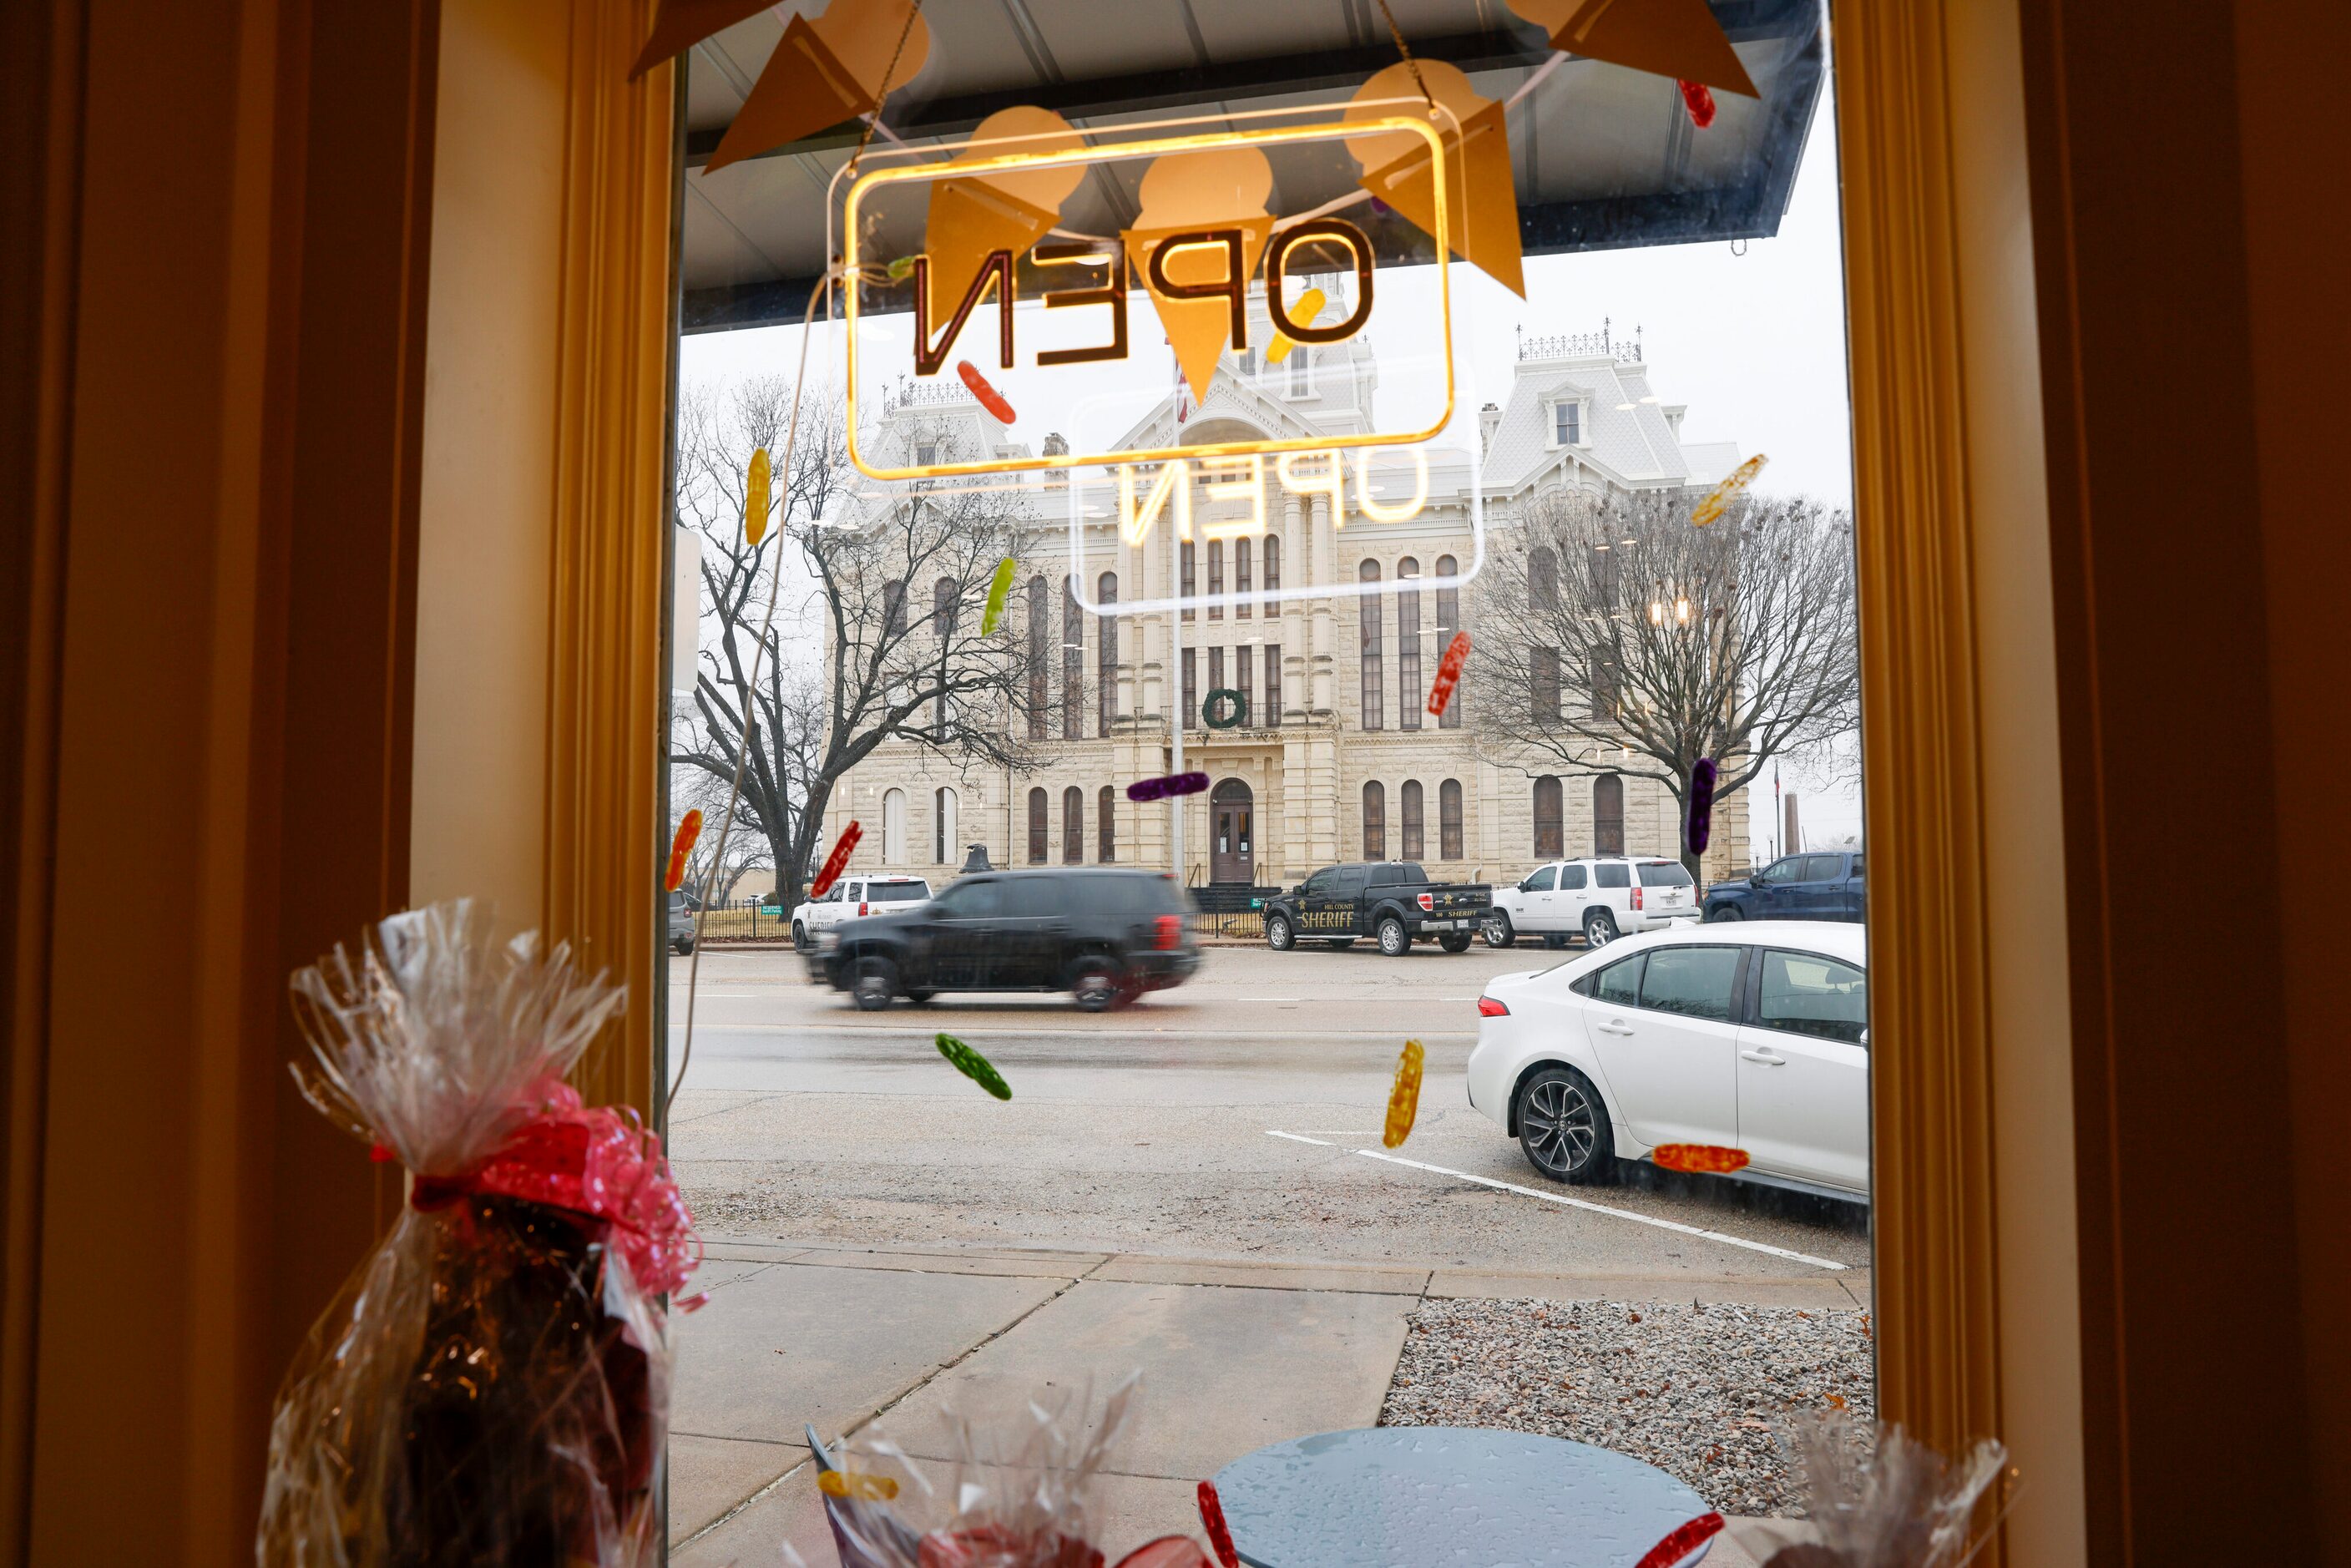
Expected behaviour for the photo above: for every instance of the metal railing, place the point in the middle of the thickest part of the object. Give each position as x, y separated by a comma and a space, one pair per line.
747, 921
1581, 345
1248, 922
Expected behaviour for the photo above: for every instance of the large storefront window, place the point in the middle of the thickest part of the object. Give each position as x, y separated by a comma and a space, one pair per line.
1636, 505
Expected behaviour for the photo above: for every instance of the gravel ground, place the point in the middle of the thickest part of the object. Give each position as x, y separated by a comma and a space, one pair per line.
1693, 1390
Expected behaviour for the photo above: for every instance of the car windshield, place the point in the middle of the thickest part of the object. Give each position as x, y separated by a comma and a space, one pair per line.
1664, 874
896, 891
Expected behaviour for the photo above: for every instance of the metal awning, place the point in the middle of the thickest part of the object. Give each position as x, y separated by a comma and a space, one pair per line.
1604, 157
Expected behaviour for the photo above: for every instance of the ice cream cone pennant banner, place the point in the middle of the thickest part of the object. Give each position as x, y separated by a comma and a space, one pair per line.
824, 72
1678, 38
1006, 209
682, 24
1481, 200
1213, 205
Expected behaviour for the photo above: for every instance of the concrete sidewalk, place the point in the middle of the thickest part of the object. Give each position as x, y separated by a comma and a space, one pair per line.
1234, 1355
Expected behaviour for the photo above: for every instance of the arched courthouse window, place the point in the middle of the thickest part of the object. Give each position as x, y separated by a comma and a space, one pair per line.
1549, 832
1608, 815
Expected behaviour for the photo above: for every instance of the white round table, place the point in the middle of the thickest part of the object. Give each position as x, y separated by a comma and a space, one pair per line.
1452, 1497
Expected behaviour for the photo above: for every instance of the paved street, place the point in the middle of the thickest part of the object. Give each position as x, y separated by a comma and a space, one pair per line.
886, 1237
1151, 1129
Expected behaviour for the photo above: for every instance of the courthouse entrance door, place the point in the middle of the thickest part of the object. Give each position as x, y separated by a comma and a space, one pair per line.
1232, 853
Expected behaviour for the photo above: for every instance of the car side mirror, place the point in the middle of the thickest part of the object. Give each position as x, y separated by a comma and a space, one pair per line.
1864, 1037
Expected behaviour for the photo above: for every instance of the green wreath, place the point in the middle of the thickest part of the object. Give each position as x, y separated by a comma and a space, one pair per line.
1239, 704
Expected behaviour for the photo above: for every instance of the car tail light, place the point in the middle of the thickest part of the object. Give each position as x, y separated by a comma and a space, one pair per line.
1637, 898
1170, 932
1427, 901
1487, 1008
863, 907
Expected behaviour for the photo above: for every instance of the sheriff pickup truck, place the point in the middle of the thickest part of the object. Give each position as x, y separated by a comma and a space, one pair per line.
1393, 901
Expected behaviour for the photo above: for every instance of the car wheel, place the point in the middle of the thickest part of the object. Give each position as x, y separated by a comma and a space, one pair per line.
919, 998
1722, 912
874, 982
1599, 928
799, 937
1459, 942
1394, 940
1277, 934
1499, 932
1340, 944
682, 947
1563, 1127
1094, 984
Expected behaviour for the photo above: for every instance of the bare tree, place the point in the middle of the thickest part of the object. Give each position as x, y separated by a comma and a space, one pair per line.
748, 849
1640, 644
877, 635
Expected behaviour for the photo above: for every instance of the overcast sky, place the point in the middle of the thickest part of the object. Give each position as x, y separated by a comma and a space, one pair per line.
1753, 344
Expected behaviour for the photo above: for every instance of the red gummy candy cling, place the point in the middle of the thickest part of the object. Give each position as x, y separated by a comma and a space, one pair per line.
1677, 1547
1700, 101
1704, 1159
989, 398
680, 847
1448, 674
835, 862
1212, 1520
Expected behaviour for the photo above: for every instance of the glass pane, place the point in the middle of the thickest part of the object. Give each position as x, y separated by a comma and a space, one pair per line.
1620, 983
1692, 981
1674, 313
1804, 994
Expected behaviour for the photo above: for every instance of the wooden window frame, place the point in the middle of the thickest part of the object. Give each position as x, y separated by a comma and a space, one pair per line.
1978, 1302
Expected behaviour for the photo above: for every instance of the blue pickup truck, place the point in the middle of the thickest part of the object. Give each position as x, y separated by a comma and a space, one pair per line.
1816, 885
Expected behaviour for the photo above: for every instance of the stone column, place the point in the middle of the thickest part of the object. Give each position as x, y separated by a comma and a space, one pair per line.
1322, 549
1491, 814
1289, 629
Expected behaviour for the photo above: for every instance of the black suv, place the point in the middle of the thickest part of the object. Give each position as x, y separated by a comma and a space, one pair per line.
1106, 937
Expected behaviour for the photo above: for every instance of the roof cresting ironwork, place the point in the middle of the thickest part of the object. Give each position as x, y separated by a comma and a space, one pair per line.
1581, 345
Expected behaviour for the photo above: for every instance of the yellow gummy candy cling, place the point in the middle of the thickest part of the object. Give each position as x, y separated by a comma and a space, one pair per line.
857, 1484
1309, 306
755, 499
1718, 499
1403, 1100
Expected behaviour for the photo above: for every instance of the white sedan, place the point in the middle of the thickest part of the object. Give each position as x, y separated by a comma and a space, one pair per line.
1752, 1037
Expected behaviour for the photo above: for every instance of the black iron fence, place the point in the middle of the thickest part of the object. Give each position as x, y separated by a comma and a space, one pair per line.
747, 921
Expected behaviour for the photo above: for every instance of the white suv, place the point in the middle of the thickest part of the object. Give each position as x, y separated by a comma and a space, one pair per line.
852, 896
1604, 898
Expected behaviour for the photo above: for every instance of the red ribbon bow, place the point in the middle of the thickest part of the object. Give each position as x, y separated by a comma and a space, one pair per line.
601, 1162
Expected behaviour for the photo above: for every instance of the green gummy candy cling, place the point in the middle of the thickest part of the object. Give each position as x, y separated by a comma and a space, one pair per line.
996, 592
974, 1066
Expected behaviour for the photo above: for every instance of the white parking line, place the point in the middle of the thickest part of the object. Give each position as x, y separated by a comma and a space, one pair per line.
1604, 1208
1268, 998
1298, 1138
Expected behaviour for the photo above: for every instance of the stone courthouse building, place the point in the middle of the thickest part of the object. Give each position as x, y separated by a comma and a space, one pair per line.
1337, 759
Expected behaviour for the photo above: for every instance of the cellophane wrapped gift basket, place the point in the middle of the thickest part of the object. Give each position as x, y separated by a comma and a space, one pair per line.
1014, 1491
1875, 1497
492, 1384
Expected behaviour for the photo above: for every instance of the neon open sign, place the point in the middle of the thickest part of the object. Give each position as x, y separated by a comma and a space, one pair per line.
1197, 278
